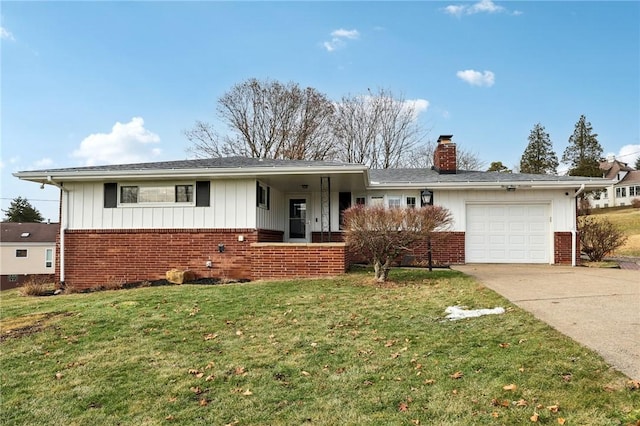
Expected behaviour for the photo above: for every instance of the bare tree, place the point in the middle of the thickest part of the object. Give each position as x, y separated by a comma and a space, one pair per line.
378, 129
422, 157
381, 234
268, 119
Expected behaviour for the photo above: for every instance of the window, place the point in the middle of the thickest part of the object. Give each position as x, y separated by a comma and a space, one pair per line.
13, 278
48, 258
377, 201
21, 253
621, 192
263, 195
411, 202
394, 202
634, 190
157, 194
203, 193
360, 201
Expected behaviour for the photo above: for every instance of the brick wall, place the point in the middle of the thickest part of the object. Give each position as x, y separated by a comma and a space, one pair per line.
95, 257
272, 260
562, 248
270, 236
336, 237
7, 284
447, 248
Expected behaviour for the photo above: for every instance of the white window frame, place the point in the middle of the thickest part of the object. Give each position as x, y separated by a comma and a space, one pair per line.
394, 201
48, 258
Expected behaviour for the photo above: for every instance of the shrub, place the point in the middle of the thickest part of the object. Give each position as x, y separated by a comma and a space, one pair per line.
635, 203
36, 286
599, 237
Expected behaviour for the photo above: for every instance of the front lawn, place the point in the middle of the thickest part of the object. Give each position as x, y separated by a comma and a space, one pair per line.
337, 351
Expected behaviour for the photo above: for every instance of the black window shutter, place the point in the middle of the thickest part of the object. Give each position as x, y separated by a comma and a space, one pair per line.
257, 194
110, 195
203, 191
268, 197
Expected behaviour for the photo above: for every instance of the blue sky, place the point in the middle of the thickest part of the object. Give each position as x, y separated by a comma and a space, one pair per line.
116, 82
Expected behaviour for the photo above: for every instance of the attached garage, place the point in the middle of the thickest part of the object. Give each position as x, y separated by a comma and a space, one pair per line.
508, 233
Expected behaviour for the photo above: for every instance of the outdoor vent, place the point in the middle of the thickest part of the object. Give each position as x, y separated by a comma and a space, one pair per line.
25, 234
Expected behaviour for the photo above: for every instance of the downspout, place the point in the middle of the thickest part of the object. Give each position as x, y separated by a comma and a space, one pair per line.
574, 243
64, 203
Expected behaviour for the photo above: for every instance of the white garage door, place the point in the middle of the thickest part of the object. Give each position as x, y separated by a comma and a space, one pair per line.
507, 233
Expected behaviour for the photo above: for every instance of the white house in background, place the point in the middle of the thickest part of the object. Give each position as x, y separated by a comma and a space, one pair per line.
624, 187
27, 250
259, 218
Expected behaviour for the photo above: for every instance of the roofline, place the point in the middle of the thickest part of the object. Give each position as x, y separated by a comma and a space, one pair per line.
589, 184
42, 176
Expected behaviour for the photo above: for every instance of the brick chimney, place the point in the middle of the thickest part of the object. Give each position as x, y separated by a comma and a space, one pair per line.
444, 157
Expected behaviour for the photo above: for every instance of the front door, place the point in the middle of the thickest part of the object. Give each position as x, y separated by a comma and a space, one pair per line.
298, 220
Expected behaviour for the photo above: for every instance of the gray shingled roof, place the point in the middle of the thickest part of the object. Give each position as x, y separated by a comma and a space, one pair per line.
398, 176
206, 163
37, 232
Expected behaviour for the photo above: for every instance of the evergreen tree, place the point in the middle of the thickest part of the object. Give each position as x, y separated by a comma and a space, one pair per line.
584, 151
539, 157
497, 166
20, 210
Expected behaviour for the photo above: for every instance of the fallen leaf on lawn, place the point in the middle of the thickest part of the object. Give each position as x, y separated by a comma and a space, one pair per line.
403, 406
429, 381
169, 418
395, 355
553, 408
510, 387
172, 399
504, 345
239, 371
59, 375
210, 365
196, 390
210, 336
209, 378
457, 375
305, 373
415, 421
521, 369
239, 333
389, 343
247, 392
455, 391
561, 420
633, 384
521, 403
234, 423
495, 414
535, 417
203, 402
566, 377
194, 371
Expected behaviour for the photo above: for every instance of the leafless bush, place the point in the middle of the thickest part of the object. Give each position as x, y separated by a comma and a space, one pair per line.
635, 203
381, 234
36, 286
599, 237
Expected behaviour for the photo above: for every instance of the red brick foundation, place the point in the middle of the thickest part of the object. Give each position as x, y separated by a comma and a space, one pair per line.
562, 248
285, 260
96, 257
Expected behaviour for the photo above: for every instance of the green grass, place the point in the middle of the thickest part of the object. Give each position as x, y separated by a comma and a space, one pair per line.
628, 220
338, 351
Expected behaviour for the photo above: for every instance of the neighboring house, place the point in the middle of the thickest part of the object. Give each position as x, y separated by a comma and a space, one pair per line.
27, 250
258, 218
624, 188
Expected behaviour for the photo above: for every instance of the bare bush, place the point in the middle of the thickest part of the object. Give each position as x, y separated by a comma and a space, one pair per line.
599, 237
36, 286
635, 203
381, 234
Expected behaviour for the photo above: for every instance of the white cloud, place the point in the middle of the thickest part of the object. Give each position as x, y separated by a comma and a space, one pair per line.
483, 6
127, 143
477, 78
338, 38
43, 163
417, 105
6, 34
352, 34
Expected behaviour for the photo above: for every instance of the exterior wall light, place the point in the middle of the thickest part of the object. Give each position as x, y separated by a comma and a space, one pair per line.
221, 248
426, 197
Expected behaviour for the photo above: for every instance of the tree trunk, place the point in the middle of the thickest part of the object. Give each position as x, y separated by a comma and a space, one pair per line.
381, 270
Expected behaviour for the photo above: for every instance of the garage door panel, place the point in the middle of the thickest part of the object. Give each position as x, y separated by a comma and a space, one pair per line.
508, 233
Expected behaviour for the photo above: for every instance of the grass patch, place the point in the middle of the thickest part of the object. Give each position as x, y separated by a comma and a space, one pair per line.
339, 351
628, 220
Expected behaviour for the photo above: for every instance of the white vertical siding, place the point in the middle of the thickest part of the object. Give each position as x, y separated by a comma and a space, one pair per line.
275, 217
232, 206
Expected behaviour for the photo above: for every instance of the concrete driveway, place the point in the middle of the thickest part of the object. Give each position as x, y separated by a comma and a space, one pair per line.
599, 308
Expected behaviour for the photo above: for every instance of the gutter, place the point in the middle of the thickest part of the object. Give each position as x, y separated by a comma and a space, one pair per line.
64, 207
574, 243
